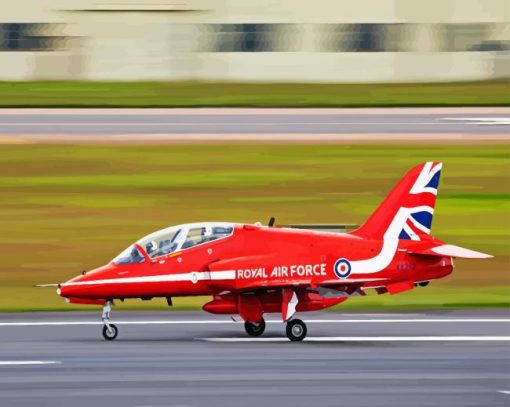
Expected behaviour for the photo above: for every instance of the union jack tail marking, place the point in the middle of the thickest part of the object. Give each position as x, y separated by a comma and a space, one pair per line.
413, 200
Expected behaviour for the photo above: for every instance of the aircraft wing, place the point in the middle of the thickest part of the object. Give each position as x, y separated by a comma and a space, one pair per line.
336, 289
353, 281
289, 283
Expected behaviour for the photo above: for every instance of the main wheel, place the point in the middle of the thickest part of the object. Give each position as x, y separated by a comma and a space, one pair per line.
255, 329
296, 330
110, 333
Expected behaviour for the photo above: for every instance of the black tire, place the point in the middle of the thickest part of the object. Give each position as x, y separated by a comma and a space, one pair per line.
296, 330
110, 334
255, 329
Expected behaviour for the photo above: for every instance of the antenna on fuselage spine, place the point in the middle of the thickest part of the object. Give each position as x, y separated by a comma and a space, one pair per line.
271, 222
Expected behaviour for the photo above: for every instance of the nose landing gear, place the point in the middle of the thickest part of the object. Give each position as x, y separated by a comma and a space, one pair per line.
110, 331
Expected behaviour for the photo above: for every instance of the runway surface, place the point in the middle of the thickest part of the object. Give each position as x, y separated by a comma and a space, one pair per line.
196, 359
254, 124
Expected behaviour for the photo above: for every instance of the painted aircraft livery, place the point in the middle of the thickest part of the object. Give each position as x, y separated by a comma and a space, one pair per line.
252, 270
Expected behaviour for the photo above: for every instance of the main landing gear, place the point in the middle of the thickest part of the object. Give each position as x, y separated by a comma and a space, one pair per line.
255, 328
296, 330
110, 331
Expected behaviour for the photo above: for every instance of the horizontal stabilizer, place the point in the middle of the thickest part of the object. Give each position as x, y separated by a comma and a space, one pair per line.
46, 285
451, 251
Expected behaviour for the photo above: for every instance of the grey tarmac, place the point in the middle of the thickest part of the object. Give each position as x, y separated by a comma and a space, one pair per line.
174, 359
306, 125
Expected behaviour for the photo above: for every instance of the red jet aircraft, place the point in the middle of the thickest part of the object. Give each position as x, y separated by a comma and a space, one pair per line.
252, 270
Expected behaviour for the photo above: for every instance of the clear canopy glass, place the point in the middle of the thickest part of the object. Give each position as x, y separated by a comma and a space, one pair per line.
131, 255
174, 239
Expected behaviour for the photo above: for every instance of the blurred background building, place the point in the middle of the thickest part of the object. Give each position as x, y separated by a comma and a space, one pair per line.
262, 40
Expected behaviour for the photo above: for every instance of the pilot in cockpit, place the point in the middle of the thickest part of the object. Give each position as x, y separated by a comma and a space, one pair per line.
165, 247
151, 248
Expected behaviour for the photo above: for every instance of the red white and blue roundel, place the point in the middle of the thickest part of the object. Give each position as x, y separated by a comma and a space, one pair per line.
342, 268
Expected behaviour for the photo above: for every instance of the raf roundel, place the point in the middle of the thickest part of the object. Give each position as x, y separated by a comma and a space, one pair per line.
342, 268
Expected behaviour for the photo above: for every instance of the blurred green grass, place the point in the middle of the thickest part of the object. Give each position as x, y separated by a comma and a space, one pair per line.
432, 297
66, 208
229, 94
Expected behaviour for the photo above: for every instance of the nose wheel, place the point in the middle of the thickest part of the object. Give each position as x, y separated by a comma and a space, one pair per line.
296, 330
110, 331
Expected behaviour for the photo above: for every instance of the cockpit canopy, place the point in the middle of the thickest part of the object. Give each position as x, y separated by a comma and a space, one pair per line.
174, 239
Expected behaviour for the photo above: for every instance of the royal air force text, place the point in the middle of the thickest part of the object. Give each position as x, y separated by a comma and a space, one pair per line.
297, 270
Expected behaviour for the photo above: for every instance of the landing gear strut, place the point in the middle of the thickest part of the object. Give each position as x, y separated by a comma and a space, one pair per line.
296, 330
255, 328
110, 331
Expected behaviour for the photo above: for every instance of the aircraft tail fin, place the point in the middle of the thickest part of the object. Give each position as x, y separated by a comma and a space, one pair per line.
407, 211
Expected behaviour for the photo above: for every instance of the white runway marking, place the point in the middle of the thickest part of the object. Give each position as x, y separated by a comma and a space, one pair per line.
371, 339
228, 321
405, 320
502, 121
28, 362
38, 124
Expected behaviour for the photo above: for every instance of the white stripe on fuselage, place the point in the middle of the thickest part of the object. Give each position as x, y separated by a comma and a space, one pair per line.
193, 276
390, 243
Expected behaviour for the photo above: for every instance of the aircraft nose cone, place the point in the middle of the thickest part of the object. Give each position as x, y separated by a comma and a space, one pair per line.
69, 289
76, 293
84, 285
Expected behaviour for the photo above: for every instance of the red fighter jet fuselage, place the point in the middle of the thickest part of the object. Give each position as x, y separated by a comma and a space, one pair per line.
252, 270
